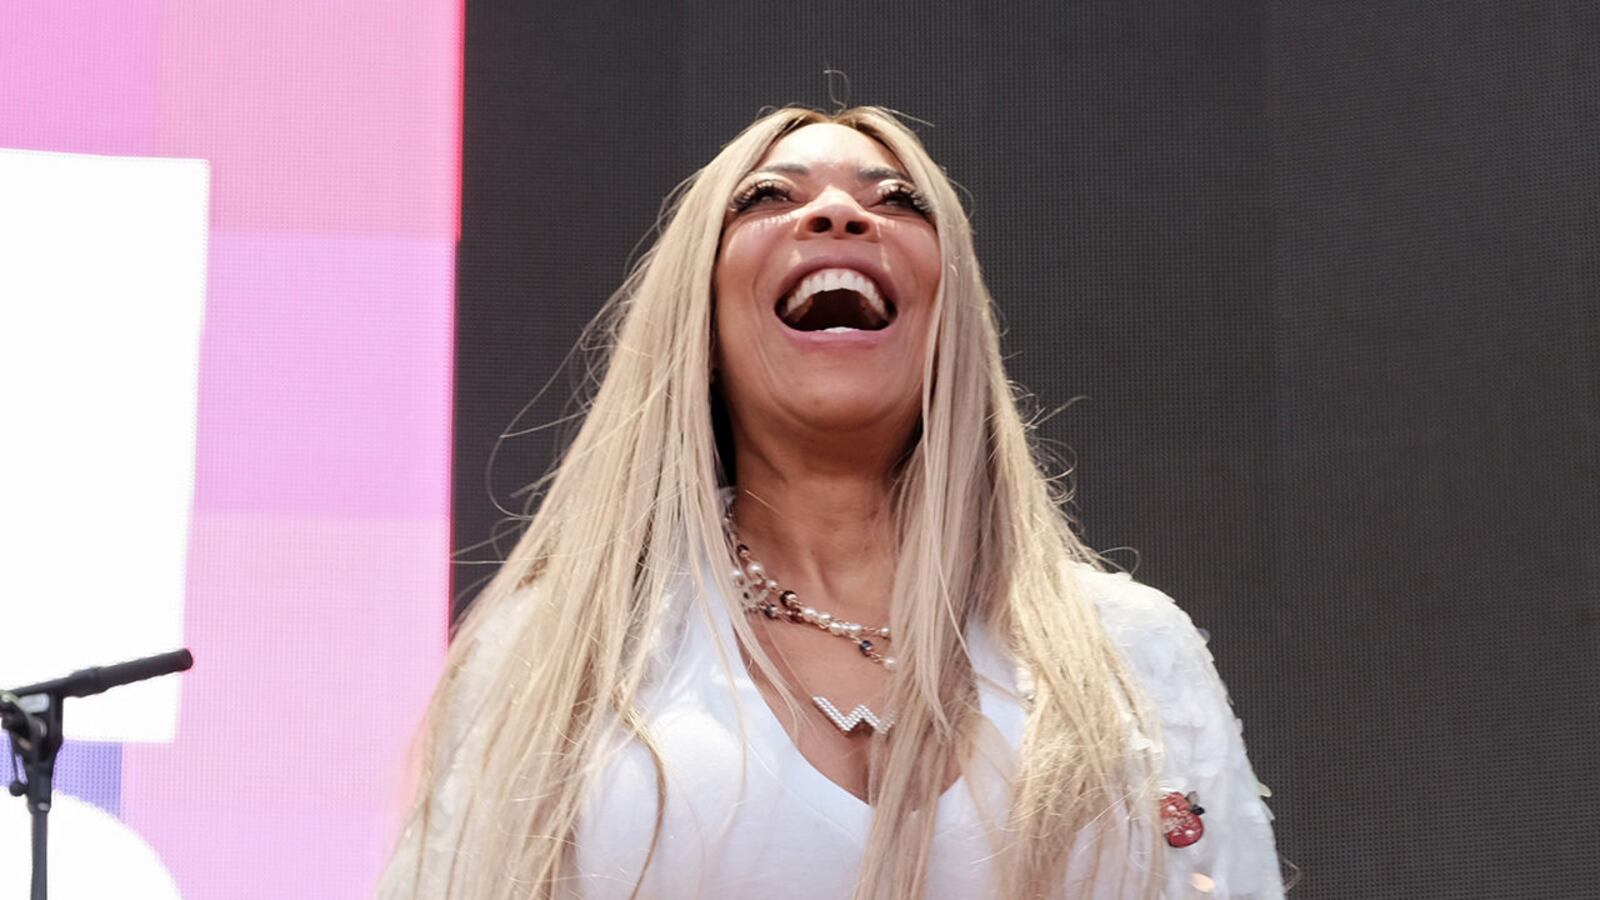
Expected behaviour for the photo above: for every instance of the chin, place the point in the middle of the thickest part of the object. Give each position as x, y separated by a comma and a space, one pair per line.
852, 407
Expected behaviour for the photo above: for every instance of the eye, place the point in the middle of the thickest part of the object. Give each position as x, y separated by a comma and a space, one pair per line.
899, 193
757, 193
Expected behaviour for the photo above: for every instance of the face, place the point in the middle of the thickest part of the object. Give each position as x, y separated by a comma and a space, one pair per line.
825, 284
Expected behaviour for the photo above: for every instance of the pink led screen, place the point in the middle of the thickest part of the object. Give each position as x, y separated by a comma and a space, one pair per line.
323, 141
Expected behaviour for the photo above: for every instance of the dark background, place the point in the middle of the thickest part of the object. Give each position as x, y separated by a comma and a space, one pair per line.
1322, 278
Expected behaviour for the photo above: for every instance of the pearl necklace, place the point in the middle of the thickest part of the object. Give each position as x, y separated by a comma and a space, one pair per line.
760, 588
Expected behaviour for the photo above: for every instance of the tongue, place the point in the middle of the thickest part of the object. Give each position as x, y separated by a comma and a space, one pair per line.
835, 309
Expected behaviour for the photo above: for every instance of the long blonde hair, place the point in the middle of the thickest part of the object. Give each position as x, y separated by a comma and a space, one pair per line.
982, 538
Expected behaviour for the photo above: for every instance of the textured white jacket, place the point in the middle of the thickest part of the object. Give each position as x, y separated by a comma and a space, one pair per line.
747, 816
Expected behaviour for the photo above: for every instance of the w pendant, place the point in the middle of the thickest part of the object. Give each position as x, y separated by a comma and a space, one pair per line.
858, 717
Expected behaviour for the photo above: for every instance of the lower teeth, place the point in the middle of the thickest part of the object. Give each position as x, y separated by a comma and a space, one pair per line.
839, 329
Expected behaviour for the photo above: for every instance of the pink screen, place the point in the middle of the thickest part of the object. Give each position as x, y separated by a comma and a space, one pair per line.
316, 588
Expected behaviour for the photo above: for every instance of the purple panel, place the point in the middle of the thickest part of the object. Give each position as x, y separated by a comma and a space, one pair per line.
325, 376
79, 77
317, 641
92, 771
336, 115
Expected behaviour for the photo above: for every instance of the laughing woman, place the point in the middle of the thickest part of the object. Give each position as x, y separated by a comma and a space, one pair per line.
799, 616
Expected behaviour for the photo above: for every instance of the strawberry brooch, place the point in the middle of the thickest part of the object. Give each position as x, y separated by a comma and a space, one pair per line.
1180, 819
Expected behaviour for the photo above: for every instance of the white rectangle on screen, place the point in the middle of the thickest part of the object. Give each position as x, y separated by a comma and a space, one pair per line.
102, 294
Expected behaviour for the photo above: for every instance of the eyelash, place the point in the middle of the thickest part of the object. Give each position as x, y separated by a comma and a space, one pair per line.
910, 196
756, 192
896, 192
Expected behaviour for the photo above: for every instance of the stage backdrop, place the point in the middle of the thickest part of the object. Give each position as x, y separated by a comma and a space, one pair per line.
1321, 278
227, 250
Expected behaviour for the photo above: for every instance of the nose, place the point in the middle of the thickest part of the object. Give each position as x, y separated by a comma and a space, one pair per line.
836, 214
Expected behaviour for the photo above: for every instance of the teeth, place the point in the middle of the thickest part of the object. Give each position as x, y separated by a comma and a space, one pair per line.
834, 280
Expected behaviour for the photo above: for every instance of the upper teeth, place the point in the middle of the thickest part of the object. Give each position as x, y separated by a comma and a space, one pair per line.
834, 280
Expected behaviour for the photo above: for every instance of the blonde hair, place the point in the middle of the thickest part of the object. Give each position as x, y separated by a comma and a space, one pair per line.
634, 500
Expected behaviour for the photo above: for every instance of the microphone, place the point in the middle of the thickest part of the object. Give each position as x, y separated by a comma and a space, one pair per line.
95, 679
32, 714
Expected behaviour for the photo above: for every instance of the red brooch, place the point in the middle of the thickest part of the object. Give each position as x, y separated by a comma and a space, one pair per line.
1180, 819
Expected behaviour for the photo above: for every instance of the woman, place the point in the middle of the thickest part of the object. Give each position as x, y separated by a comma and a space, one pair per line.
800, 617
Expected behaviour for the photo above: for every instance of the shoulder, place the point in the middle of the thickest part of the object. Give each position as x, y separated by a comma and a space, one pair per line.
1168, 658
430, 840
489, 639
1153, 634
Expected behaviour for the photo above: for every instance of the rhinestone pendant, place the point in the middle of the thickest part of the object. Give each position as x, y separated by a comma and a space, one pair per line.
857, 717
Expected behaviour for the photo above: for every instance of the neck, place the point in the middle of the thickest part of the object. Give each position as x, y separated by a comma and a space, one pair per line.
823, 525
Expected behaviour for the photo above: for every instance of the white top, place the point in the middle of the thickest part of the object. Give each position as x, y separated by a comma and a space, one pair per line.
747, 815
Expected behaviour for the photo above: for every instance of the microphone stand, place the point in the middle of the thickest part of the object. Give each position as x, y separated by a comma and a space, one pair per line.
35, 725
32, 715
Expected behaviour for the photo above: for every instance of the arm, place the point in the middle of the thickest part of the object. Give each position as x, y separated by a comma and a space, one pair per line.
1205, 753
1201, 744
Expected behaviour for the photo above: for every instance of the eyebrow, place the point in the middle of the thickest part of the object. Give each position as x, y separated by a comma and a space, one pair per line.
863, 175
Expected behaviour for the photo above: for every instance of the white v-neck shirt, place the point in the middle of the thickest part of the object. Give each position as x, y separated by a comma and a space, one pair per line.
747, 815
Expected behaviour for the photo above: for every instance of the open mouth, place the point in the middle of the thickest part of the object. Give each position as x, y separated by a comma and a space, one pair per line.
836, 300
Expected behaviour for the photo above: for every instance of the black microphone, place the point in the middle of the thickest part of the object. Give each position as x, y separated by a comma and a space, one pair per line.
93, 680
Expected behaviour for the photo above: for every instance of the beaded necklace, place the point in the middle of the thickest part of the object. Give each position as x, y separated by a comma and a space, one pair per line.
763, 594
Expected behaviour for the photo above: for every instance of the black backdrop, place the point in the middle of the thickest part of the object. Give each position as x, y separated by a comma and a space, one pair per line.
1320, 278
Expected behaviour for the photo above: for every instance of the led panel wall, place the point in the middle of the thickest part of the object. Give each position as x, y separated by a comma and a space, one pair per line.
227, 250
